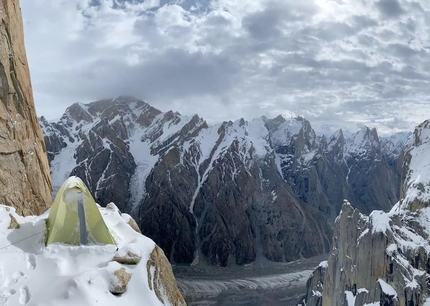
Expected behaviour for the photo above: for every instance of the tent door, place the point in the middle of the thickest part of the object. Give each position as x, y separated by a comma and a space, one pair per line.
82, 222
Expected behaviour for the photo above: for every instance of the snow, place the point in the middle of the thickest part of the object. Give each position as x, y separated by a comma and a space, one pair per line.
350, 298
424, 219
387, 289
286, 130
362, 290
417, 183
145, 161
63, 163
334, 140
61, 274
274, 195
393, 145
258, 135
407, 228
323, 264
206, 141
212, 146
364, 233
380, 221
164, 130
360, 143
391, 249
412, 284
418, 186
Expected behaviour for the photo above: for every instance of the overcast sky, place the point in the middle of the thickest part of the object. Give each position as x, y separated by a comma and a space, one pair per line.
337, 63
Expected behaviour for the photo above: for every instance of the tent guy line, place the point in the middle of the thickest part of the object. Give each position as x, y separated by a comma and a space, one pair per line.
16, 242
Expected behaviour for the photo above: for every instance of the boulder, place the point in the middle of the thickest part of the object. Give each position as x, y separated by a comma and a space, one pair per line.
162, 280
119, 285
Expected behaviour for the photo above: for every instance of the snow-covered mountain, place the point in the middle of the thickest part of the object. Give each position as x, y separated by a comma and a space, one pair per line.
229, 192
60, 274
383, 258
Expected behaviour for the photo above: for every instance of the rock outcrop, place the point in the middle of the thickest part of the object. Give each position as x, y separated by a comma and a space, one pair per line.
383, 258
315, 285
119, 281
161, 279
227, 193
25, 181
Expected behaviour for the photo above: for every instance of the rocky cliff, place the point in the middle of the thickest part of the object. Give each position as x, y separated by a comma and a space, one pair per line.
324, 171
226, 193
25, 181
383, 258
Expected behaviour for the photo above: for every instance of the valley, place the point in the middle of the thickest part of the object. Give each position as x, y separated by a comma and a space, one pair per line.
259, 283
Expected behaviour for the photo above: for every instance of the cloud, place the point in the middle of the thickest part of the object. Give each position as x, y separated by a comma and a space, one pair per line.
389, 8
338, 63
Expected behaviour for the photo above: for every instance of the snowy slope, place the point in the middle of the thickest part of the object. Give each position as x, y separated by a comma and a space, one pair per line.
393, 145
60, 275
417, 183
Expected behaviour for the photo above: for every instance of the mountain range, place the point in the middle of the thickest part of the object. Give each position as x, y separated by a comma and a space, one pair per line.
228, 193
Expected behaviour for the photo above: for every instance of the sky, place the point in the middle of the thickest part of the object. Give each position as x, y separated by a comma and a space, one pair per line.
338, 63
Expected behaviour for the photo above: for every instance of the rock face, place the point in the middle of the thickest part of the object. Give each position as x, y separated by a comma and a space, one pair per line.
315, 285
227, 193
383, 258
25, 182
161, 279
324, 171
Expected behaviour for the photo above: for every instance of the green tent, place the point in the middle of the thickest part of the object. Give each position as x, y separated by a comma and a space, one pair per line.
75, 218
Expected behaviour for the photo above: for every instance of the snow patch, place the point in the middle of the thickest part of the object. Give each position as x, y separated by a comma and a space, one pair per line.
323, 264
350, 298
380, 222
387, 289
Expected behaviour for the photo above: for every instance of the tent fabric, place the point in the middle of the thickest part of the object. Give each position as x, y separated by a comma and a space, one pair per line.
64, 223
